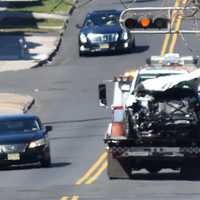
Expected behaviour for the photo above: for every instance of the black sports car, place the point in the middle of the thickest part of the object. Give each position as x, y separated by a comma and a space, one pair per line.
102, 32
23, 139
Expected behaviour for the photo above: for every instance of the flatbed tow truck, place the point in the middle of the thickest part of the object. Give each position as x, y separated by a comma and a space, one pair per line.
155, 118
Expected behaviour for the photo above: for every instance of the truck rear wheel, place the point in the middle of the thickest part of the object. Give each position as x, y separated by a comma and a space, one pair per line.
153, 170
118, 168
191, 173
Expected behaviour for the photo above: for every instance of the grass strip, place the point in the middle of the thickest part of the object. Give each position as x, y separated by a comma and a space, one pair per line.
30, 23
43, 6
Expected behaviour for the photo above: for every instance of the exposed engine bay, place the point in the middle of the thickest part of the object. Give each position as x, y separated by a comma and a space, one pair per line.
172, 113
167, 115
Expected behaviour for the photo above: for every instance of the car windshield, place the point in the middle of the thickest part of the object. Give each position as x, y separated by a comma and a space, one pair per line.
103, 20
19, 125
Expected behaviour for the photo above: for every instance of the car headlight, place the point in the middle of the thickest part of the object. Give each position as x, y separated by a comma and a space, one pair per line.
37, 143
83, 38
91, 36
116, 36
124, 36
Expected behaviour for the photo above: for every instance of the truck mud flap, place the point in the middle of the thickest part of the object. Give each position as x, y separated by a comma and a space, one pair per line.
118, 168
191, 171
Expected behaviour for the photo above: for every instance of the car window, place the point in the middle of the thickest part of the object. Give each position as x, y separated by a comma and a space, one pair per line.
102, 20
112, 20
27, 125
88, 22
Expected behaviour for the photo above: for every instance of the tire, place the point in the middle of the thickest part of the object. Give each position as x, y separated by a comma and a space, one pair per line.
46, 160
133, 43
80, 53
153, 170
190, 173
131, 46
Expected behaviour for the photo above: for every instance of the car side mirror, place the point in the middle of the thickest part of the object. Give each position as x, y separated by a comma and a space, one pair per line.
148, 61
49, 128
78, 26
196, 61
102, 95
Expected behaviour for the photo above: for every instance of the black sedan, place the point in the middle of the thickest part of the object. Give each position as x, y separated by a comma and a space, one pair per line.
23, 139
101, 32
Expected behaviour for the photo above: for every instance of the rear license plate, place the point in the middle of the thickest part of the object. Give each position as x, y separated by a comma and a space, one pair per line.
13, 156
104, 46
139, 153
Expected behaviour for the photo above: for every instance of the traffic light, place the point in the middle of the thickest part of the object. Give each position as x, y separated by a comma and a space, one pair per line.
147, 19
146, 22
161, 22
157, 20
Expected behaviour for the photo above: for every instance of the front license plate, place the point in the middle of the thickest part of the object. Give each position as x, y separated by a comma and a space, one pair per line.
104, 46
13, 156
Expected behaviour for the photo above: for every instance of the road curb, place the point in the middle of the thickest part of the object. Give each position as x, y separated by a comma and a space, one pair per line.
11, 103
28, 105
58, 42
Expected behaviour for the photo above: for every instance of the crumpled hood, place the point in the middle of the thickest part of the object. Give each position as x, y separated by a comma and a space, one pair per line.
166, 84
162, 84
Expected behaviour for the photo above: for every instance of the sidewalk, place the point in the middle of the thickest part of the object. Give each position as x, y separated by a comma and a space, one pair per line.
11, 103
24, 51
19, 52
29, 50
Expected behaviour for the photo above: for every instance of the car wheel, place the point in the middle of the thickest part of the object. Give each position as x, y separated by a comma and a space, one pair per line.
46, 160
80, 53
133, 43
129, 49
153, 170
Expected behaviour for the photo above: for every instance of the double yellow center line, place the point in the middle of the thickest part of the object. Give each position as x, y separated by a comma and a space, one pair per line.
75, 197
177, 18
94, 171
92, 174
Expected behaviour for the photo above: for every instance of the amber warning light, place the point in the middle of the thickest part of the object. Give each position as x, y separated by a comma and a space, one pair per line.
147, 23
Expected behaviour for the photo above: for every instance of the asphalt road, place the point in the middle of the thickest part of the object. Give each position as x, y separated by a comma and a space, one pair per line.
66, 97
